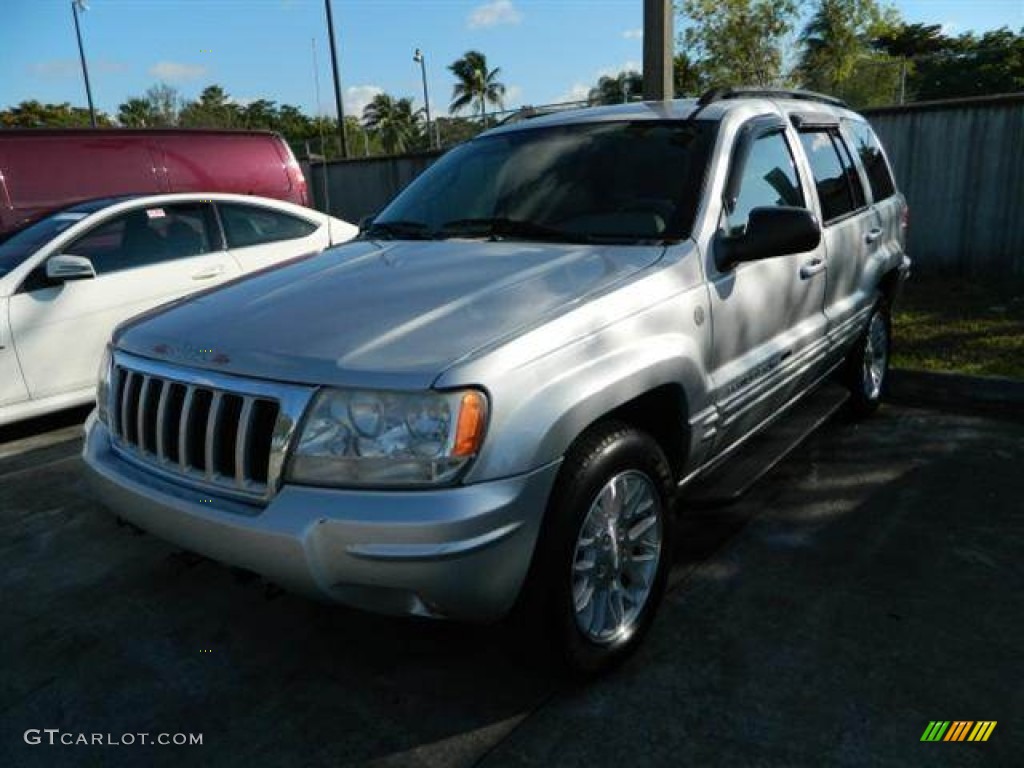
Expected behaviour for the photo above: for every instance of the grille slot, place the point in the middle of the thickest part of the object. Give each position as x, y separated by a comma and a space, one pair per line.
204, 434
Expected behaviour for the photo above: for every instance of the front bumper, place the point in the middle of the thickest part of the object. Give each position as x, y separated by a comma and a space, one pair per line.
459, 552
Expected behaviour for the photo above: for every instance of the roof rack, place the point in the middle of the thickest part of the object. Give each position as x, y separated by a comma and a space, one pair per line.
723, 94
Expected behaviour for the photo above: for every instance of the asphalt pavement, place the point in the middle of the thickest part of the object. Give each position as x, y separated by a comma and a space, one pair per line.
870, 584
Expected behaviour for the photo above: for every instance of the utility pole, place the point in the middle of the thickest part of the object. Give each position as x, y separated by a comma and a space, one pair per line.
658, 50
75, 6
420, 59
337, 82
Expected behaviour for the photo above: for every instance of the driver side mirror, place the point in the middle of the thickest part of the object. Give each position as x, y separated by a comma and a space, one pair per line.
366, 222
66, 267
771, 231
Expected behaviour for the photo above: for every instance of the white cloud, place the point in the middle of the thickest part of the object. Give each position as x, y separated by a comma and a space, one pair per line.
948, 27
357, 97
627, 66
634, 34
493, 14
578, 92
55, 69
513, 95
176, 71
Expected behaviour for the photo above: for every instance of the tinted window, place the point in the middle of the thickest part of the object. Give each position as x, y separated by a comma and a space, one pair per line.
867, 146
147, 236
621, 181
251, 225
850, 171
833, 174
22, 244
769, 180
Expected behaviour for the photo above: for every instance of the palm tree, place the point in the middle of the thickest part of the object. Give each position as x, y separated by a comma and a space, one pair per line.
396, 123
618, 89
837, 35
475, 84
136, 113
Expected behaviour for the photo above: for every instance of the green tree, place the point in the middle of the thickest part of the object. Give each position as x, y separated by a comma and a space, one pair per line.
455, 130
261, 113
166, 102
688, 78
738, 42
969, 65
617, 89
475, 84
35, 114
136, 113
213, 109
157, 108
394, 122
908, 41
838, 55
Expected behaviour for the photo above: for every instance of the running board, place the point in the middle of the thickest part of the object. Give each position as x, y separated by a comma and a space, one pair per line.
762, 452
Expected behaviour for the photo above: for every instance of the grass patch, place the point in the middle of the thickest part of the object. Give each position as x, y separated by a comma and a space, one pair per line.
962, 325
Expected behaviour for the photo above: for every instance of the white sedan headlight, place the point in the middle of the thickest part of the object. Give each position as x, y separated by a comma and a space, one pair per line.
386, 439
103, 386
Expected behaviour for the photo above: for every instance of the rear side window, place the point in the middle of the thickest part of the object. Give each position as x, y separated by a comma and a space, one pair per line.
835, 178
867, 146
769, 180
247, 225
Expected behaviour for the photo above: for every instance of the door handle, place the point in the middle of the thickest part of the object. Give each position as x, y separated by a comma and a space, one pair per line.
872, 236
811, 268
208, 274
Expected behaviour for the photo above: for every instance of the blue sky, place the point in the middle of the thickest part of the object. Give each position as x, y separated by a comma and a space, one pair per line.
548, 50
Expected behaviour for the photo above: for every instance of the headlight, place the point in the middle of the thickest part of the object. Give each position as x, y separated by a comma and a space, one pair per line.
373, 438
103, 386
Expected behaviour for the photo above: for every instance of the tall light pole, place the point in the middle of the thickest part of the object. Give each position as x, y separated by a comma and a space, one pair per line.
420, 59
77, 5
337, 82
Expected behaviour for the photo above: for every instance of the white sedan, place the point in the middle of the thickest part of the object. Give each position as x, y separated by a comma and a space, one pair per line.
69, 278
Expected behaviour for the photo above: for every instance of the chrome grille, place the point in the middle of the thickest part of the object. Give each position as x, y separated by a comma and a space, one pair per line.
217, 432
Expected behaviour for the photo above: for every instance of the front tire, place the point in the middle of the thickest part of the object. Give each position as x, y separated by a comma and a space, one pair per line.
606, 547
867, 366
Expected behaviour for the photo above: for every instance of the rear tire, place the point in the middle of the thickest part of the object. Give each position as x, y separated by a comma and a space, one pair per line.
866, 371
606, 547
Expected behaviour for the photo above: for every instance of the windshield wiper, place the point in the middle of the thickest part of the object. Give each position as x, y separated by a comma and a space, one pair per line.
498, 227
399, 230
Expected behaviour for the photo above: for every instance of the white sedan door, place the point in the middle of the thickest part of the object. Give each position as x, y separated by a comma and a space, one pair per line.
142, 258
12, 385
260, 236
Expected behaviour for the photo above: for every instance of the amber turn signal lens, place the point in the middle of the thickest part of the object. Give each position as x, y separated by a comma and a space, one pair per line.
469, 431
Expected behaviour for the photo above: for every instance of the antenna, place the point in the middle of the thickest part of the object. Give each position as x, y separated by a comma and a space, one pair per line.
320, 115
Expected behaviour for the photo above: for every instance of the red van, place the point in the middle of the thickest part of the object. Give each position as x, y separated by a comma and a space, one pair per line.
45, 169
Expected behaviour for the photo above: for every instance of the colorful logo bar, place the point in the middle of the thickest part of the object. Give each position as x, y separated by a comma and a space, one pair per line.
958, 730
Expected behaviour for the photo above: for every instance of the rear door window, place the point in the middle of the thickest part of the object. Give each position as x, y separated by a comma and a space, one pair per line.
246, 225
869, 149
835, 177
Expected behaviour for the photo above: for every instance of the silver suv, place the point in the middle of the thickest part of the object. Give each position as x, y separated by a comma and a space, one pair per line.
504, 389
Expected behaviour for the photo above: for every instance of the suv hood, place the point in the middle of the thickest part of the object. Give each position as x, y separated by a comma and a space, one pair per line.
393, 314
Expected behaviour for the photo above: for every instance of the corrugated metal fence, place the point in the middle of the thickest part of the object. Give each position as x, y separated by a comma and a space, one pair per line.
960, 164
361, 187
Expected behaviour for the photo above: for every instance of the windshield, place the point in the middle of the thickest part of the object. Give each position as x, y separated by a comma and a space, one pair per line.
622, 182
27, 241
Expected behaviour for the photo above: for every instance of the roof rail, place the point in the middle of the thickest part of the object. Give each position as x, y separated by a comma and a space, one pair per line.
723, 94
